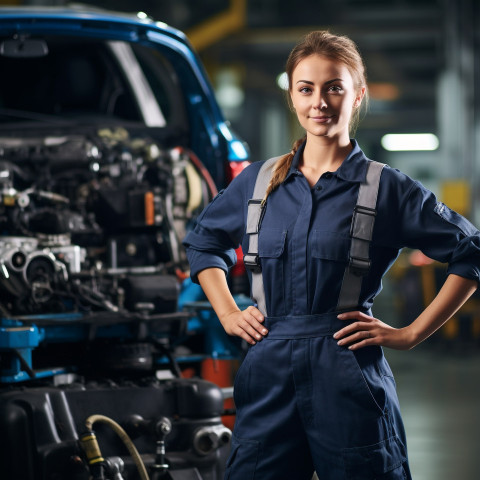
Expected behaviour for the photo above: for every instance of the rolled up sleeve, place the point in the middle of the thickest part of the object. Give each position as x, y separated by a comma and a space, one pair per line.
441, 233
220, 228
201, 260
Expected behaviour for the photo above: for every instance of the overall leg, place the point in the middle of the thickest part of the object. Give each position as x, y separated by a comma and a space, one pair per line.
353, 422
269, 441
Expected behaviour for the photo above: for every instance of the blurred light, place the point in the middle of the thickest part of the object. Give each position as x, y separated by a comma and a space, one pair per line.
142, 15
383, 91
282, 81
229, 92
225, 132
237, 150
397, 142
230, 96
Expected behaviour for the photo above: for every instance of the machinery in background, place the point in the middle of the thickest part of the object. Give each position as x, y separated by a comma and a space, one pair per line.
93, 222
91, 274
68, 431
111, 142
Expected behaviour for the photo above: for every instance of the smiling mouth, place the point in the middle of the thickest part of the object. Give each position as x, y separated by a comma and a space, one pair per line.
322, 119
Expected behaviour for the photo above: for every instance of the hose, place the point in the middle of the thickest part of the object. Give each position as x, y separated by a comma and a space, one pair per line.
123, 437
202, 169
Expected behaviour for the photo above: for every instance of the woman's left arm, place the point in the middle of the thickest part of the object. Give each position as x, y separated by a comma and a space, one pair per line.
366, 330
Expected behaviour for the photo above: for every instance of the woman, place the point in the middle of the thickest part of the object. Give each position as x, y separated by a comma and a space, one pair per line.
314, 391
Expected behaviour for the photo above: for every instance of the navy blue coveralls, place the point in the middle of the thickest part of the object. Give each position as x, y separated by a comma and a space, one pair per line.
303, 402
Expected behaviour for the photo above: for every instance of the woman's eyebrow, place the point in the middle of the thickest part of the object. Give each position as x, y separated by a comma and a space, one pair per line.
334, 80
326, 83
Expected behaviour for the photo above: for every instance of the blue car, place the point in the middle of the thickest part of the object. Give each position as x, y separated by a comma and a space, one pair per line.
111, 142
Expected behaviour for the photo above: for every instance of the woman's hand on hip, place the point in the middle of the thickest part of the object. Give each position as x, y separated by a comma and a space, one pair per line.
246, 324
366, 330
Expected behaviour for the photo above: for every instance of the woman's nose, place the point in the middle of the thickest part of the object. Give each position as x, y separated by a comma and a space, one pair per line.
319, 102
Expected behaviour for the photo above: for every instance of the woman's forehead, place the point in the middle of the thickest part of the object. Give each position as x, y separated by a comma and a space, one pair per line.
316, 67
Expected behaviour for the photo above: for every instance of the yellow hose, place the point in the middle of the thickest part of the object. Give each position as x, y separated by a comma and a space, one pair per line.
124, 438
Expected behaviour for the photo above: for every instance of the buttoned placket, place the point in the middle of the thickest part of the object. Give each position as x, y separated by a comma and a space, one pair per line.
300, 284
316, 194
299, 250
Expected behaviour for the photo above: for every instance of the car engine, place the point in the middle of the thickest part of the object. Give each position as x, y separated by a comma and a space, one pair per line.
91, 268
94, 223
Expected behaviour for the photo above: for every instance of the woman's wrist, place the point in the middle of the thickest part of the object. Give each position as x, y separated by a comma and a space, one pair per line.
410, 337
224, 316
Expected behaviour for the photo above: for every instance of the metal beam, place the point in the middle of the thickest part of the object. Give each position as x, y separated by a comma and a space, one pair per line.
218, 27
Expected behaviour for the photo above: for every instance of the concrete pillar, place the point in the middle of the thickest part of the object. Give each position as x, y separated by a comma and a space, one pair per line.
458, 125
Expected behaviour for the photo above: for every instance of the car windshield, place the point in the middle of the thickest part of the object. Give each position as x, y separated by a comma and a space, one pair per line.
76, 80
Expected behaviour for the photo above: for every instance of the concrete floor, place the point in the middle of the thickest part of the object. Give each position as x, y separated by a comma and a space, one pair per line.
439, 392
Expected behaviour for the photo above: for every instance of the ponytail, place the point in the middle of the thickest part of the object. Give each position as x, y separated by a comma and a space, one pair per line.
282, 167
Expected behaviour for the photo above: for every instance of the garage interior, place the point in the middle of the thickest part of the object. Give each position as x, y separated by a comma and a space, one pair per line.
423, 67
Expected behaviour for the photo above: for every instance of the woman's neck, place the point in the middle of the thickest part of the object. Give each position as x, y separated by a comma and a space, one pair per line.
321, 156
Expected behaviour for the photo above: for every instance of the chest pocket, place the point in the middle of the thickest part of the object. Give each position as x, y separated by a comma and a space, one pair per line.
272, 253
330, 246
271, 242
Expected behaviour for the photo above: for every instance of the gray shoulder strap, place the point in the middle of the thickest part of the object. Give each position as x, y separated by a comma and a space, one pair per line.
361, 233
256, 209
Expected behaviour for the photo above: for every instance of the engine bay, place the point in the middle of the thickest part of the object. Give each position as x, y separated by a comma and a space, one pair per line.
94, 222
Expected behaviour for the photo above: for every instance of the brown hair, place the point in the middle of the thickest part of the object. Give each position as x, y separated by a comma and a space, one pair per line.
336, 47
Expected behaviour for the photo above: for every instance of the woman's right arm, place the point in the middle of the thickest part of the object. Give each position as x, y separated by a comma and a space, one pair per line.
246, 324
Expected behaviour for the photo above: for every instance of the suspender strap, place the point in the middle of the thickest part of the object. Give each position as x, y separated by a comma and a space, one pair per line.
256, 209
361, 232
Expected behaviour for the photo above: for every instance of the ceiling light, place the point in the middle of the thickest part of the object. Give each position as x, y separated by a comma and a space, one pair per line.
397, 142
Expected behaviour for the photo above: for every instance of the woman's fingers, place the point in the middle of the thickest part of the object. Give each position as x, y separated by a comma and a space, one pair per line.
247, 324
364, 323
360, 333
360, 338
366, 330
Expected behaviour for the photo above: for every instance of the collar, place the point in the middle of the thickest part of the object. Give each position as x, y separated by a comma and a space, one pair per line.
353, 168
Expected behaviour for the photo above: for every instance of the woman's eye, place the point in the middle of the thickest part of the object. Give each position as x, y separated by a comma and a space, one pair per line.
335, 88
304, 90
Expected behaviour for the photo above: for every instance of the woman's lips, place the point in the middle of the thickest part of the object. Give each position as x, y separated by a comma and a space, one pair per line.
322, 118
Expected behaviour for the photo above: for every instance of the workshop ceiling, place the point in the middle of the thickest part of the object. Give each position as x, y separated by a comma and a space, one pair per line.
406, 45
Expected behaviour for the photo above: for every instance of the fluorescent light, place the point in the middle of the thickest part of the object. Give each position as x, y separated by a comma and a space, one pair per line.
396, 142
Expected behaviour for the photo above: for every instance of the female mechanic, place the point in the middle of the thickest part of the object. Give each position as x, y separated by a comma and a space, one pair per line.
314, 392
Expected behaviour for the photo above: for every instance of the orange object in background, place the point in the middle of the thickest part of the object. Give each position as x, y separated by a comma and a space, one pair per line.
222, 373
149, 209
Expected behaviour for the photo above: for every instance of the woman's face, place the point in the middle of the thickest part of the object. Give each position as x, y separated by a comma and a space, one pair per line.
324, 96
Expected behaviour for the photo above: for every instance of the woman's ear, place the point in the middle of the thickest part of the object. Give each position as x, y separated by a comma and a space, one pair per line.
359, 97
